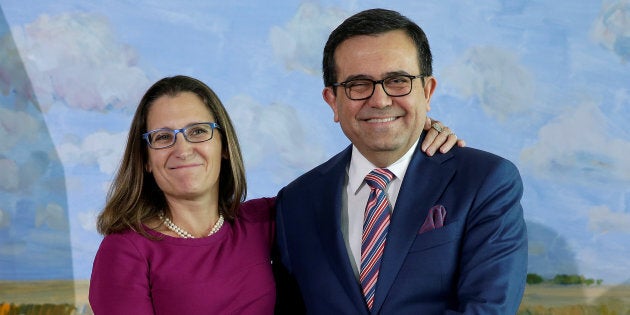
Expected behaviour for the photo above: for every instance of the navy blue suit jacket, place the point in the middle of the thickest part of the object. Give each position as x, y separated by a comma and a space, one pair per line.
475, 264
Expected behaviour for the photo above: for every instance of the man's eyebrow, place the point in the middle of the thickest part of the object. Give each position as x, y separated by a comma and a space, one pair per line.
385, 75
357, 77
395, 73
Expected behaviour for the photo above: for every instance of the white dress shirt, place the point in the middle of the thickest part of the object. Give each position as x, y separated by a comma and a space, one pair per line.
356, 194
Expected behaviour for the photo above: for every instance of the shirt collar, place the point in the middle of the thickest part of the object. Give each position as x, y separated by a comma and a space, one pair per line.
360, 167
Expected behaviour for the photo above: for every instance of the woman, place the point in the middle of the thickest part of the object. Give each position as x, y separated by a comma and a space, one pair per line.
178, 237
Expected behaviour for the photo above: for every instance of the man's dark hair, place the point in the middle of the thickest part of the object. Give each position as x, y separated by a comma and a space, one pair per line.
374, 22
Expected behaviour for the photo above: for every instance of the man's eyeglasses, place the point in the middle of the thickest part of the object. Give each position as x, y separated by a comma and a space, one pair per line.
394, 86
165, 137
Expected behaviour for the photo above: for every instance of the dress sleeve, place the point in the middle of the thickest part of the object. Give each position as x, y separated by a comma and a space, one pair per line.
120, 278
258, 210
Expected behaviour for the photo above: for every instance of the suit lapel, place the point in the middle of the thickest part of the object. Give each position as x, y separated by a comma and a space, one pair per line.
425, 180
328, 218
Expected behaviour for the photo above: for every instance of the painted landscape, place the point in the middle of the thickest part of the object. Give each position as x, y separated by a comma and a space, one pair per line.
541, 83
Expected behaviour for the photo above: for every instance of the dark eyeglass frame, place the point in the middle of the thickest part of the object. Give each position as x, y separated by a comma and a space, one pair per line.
146, 136
346, 88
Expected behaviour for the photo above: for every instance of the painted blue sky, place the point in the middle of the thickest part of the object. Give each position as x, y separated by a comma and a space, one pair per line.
545, 84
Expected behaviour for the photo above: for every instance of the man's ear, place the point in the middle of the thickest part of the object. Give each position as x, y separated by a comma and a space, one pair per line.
430, 83
331, 99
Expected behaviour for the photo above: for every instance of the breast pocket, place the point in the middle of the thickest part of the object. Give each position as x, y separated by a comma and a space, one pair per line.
438, 237
430, 264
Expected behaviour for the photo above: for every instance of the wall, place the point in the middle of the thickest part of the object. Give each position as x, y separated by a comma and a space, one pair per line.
542, 83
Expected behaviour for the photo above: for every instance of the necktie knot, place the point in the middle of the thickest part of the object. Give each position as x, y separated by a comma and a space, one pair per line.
379, 178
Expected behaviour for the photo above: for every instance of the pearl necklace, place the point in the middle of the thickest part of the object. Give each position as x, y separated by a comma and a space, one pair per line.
183, 233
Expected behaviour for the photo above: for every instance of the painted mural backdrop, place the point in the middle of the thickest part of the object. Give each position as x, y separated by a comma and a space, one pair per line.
545, 84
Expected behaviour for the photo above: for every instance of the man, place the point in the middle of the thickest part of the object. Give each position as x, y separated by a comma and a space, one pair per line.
444, 234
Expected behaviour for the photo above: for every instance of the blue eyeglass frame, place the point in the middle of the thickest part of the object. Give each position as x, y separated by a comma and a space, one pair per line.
146, 135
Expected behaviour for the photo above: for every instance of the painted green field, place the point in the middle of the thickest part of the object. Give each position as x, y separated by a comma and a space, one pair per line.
576, 300
539, 299
44, 297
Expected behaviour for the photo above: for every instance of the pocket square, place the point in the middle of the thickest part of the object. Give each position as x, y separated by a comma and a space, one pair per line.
434, 220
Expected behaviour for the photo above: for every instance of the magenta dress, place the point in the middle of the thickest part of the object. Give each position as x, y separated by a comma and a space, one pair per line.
228, 272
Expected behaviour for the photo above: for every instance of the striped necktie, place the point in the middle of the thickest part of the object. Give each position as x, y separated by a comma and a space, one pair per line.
375, 226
